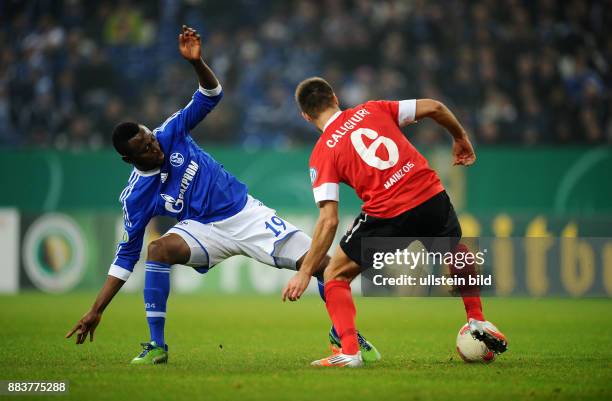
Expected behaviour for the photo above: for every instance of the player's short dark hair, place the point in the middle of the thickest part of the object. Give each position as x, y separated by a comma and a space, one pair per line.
122, 133
314, 95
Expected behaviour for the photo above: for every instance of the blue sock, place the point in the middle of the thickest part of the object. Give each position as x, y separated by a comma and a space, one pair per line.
156, 291
321, 286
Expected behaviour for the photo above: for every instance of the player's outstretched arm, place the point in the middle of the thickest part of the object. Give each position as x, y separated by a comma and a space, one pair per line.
190, 47
324, 233
463, 152
88, 323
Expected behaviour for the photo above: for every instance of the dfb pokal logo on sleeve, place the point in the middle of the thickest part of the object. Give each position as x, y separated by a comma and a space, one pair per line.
177, 159
313, 174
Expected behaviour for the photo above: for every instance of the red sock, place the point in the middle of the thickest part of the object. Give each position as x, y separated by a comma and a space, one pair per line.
341, 309
473, 308
470, 294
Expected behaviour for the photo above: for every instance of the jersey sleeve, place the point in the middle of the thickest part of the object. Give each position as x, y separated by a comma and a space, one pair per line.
324, 177
184, 120
403, 112
136, 216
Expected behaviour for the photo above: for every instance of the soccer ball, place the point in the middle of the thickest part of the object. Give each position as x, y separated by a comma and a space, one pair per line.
472, 350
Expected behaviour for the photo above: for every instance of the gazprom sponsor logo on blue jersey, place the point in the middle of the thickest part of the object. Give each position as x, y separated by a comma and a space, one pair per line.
176, 205
177, 159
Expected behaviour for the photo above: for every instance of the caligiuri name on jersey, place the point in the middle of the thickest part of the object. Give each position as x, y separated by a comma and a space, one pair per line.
345, 128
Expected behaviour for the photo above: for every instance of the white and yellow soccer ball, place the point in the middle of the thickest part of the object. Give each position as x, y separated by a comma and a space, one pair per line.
472, 350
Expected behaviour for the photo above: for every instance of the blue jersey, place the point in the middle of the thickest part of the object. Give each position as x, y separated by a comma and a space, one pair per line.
190, 185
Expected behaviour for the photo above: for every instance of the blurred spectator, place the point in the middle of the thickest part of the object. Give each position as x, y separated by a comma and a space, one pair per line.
522, 72
125, 26
79, 136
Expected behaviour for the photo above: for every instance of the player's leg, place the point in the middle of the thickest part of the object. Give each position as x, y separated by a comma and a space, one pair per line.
480, 328
438, 219
344, 266
369, 353
187, 243
341, 308
262, 235
161, 255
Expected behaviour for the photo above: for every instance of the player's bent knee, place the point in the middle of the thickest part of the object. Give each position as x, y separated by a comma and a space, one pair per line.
338, 272
341, 267
157, 251
170, 249
329, 275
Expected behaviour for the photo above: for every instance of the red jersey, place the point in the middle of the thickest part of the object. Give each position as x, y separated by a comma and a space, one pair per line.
364, 148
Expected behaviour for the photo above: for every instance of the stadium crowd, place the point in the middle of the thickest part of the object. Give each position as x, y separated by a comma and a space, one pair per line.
515, 71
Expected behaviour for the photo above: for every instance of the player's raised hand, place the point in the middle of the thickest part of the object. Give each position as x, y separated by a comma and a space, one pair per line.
296, 286
463, 152
190, 44
87, 325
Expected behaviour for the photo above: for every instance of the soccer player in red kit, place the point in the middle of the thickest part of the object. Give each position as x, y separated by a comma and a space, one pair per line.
402, 197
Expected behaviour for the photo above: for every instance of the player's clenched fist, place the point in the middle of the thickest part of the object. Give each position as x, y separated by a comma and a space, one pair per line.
190, 44
463, 152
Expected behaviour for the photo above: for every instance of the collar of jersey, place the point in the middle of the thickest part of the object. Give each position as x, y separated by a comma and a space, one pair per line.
331, 119
146, 173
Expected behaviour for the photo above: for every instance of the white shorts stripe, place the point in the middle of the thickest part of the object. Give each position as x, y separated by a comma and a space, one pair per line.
355, 228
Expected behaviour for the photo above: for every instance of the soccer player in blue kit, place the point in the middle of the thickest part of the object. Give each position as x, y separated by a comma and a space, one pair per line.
217, 218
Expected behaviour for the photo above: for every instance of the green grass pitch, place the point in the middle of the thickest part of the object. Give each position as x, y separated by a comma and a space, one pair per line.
257, 348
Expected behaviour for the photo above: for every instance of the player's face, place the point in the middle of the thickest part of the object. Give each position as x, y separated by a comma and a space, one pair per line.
145, 154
